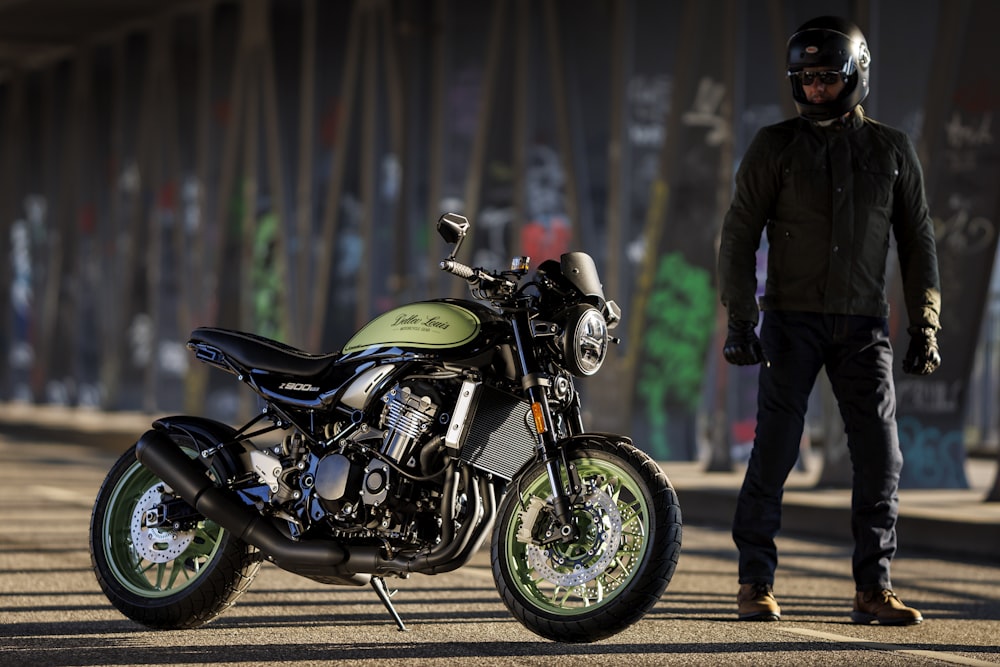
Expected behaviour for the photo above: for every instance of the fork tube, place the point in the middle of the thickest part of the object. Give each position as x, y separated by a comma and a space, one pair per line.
535, 386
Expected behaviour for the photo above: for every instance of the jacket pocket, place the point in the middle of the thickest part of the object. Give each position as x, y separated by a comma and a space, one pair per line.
797, 261
805, 183
874, 179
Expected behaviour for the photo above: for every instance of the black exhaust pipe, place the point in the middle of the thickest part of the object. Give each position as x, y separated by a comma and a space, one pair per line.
158, 452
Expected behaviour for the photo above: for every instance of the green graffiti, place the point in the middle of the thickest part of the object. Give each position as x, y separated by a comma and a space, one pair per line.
267, 283
680, 317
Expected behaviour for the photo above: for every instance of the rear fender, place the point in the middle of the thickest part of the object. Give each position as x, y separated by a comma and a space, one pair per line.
204, 434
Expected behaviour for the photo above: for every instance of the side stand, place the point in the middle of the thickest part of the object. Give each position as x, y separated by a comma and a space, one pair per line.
378, 583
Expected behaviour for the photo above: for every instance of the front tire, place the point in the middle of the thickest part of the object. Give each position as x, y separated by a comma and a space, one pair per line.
161, 577
629, 541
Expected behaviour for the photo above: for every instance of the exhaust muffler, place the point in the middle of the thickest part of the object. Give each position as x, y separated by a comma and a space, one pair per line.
187, 477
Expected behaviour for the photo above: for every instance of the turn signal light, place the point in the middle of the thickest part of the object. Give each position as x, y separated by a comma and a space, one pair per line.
536, 412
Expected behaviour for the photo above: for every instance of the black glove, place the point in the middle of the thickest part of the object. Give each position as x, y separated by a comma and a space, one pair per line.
742, 345
922, 356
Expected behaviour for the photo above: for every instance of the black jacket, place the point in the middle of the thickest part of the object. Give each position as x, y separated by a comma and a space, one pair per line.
828, 197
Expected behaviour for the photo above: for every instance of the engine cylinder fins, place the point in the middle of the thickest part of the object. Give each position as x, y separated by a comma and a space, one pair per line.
406, 417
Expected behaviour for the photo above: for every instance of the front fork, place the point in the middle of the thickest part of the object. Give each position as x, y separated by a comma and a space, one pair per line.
537, 385
568, 529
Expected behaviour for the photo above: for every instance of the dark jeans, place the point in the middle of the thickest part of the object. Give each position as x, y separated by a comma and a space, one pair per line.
858, 358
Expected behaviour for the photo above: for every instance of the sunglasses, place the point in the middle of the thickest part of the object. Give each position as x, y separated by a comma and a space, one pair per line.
826, 77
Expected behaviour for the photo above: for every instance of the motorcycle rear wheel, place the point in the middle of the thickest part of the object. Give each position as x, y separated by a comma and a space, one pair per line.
161, 577
629, 541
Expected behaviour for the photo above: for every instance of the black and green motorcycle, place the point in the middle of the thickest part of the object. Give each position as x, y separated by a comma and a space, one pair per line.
438, 423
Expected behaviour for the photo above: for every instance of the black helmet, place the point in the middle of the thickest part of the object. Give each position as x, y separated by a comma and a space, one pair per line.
837, 44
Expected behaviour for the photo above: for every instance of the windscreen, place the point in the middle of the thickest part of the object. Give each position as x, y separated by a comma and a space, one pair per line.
580, 270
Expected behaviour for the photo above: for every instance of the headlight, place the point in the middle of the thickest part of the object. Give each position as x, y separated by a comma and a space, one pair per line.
585, 342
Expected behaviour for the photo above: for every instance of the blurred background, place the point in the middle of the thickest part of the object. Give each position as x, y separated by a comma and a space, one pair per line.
277, 166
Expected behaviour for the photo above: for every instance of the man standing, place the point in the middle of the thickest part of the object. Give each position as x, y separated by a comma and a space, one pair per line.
829, 187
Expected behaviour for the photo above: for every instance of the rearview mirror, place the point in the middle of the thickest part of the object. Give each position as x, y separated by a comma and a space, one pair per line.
452, 227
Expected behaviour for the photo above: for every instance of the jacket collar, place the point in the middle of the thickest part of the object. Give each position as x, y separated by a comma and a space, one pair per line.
852, 120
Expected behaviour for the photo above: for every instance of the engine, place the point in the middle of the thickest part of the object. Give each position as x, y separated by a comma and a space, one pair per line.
375, 480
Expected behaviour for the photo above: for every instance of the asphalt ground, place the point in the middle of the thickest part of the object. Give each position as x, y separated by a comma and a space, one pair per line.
52, 613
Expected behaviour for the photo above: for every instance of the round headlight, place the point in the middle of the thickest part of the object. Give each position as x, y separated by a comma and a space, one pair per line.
585, 343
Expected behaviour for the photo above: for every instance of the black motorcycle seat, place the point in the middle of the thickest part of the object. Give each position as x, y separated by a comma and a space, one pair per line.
263, 354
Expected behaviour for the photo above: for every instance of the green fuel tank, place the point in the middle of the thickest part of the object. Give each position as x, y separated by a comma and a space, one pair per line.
443, 327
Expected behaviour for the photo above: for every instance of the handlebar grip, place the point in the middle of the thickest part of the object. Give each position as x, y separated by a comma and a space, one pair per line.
458, 269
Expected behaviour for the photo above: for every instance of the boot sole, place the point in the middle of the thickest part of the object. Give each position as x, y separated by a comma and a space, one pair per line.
860, 618
760, 616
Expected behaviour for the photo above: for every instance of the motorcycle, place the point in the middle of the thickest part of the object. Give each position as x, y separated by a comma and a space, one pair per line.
438, 423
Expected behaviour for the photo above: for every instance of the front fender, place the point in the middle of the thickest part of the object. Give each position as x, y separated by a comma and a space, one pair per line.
574, 441
577, 441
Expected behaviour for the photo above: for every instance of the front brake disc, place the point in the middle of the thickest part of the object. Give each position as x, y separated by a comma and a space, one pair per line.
585, 559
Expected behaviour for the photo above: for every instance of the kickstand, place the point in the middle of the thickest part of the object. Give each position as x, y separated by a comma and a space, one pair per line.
378, 583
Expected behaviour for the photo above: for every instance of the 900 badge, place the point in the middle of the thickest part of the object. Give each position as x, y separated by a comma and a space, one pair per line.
297, 386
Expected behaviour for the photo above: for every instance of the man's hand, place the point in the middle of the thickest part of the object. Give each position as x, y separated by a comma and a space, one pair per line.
922, 357
742, 345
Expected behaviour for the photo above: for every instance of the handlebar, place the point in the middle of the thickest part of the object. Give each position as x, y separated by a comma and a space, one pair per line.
459, 269
484, 285
474, 276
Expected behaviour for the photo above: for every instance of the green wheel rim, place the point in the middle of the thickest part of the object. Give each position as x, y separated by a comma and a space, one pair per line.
163, 576
614, 519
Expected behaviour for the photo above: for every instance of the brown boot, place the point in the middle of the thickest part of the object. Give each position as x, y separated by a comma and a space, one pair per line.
884, 608
757, 603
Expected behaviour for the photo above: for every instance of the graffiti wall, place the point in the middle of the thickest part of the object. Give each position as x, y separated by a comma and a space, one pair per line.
961, 184
278, 166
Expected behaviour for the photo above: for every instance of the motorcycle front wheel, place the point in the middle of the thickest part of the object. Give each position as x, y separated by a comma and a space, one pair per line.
629, 539
163, 577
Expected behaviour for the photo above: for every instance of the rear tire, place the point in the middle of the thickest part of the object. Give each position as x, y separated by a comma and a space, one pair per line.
159, 577
630, 539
